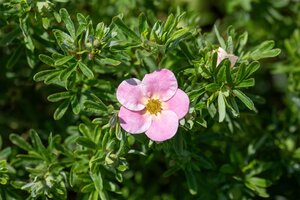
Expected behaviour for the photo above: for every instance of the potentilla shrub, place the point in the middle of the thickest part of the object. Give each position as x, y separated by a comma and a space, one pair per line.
143, 108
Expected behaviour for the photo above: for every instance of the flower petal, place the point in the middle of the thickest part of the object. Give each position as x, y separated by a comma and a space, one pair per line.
222, 54
130, 94
134, 121
232, 59
160, 84
179, 103
163, 126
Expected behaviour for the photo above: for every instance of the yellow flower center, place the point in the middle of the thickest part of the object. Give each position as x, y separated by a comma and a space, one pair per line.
153, 106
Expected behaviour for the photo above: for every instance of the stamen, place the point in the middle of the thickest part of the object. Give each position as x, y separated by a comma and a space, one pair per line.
153, 106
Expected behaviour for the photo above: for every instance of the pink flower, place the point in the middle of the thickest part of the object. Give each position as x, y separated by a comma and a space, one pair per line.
153, 105
222, 54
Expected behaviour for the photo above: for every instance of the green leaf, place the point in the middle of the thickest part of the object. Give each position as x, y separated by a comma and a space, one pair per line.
94, 107
43, 75
76, 106
191, 181
221, 74
127, 31
59, 96
178, 34
4, 153
85, 130
108, 61
228, 74
220, 39
85, 70
86, 142
221, 107
61, 110
259, 182
68, 22
81, 19
265, 50
66, 73
45, 22
253, 67
212, 87
20, 142
100, 31
64, 40
246, 100
227, 169
9, 37
246, 83
63, 60
88, 188
57, 16
38, 145
143, 25
241, 73
46, 59
242, 41
97, 178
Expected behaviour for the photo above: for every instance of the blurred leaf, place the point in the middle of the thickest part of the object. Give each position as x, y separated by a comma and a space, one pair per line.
20, 142
127, 31
265, 50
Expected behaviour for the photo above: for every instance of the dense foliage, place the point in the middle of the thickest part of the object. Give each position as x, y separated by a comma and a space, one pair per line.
62, 61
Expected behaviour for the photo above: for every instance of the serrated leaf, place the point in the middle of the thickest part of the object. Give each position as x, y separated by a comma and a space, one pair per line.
61, 110
85, 70
246, 100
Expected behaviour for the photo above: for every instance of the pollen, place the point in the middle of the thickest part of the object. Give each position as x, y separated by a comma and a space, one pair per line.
153, 106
